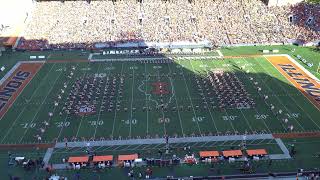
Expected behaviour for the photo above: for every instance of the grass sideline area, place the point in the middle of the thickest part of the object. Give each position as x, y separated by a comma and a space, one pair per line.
22, 122
304, 158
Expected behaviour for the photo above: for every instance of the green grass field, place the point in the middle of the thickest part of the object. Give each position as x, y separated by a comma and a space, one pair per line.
22, 122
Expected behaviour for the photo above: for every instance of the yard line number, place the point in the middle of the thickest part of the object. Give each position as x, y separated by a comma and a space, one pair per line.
96, 123
164, 120
28, 125
130, 121
229, 118
157, 67
61, 69
110, 68
203, 65
62, 124
293, 115
133, 67
85, 69
261, 116
100, 75
198, 119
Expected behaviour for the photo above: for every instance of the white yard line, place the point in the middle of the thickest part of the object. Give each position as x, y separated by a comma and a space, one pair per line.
226, 112
83, 115
260, 142
164, 123
131, 102
194, 112
38, 110
309, 74
65, 119
246, 76
115, 113
213, 121
13, 124
220, 53
245, 118
79, 126
271, 92
146, 89
281, 88
25, 106
99, 114
54, 109
298, 64
173, 91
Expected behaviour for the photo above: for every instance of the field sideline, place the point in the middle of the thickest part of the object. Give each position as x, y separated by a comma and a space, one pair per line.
30, 110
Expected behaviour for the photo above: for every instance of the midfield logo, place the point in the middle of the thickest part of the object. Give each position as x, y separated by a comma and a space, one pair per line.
160, 88
86, 110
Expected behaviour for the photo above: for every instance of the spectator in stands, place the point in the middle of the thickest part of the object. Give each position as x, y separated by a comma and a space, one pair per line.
79, 24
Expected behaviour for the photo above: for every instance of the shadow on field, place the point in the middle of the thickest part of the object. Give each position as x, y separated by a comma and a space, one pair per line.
205, 97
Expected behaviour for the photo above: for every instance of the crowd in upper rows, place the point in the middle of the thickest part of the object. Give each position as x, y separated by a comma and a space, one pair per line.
78, 24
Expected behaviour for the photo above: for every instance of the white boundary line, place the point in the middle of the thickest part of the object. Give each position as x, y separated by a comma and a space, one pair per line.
61, 145
99, 114
38, 109
22, 110
220, 53
297, 64
9, 73
310, 75
304, 70
115, 112
175, 97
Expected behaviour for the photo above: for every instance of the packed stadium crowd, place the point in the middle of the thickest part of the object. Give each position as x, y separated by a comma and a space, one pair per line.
78, 24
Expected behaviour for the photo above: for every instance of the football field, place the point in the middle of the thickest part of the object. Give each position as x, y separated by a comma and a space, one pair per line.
82, 100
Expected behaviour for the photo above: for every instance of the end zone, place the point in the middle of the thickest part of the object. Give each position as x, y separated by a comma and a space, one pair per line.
303, 80
15, 81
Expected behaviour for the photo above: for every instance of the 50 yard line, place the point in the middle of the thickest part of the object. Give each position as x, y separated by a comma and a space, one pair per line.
176, 100
164, 124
